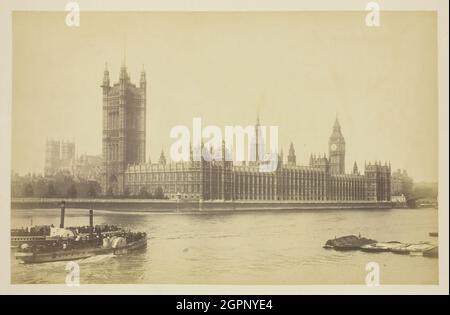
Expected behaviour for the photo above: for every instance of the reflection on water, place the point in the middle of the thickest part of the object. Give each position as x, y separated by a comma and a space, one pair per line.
283, 247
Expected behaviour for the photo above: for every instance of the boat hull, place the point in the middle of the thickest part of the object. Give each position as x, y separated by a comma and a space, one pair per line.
75, 254
16, 241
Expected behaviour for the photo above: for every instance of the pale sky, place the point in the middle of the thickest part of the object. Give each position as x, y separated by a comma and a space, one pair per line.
300, 68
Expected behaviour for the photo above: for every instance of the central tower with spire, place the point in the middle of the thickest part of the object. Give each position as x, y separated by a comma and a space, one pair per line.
124, 127
336, 147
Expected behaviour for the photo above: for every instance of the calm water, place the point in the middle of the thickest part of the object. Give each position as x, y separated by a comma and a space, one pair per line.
244, 248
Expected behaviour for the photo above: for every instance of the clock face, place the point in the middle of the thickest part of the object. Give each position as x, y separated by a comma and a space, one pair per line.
333, 147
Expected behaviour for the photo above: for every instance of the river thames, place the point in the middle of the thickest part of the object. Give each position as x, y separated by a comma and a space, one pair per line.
267, 247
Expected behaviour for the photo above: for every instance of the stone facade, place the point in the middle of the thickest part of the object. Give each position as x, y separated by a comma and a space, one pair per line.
125, 171
402, 183
216, 181
124, 125
61, 158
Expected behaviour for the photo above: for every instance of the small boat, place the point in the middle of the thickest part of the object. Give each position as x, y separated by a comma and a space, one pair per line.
413, 249
381, 247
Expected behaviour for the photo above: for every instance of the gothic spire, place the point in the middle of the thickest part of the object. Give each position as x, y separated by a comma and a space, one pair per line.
337, 125
123, 69
123, 73
355, 168
162, 158
336, 135
143, 80
257, 138
106, 76
291, 149
292, 159
124, 61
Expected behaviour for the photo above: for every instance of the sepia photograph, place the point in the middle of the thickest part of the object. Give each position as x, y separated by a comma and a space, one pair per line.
226, 147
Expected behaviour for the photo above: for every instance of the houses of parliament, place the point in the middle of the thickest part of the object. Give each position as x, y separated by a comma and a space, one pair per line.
125, 171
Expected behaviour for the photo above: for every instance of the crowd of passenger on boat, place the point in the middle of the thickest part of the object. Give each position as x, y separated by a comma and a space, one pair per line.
98, 229
44, 230
82, 241
41, 230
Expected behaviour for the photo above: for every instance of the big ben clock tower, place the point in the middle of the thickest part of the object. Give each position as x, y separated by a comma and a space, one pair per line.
336, 147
